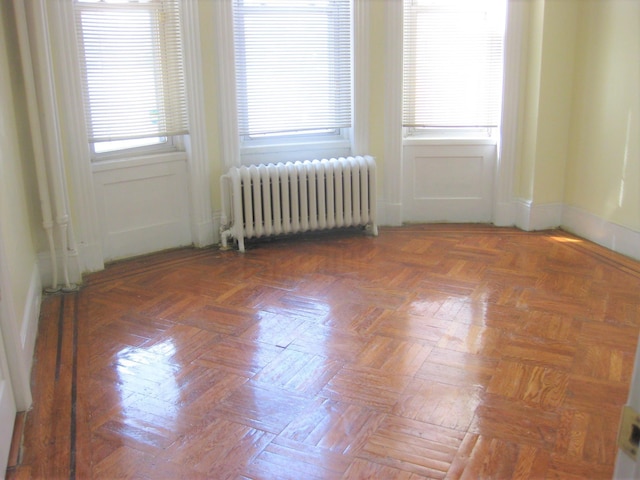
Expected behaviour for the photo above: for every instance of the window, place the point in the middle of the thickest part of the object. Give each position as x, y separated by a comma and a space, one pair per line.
293, 71
132, 70
452, 66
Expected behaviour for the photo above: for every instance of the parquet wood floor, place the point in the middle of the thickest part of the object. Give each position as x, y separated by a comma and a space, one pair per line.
433, 351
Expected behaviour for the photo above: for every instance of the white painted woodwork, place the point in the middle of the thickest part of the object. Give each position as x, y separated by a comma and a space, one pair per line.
515, 51
448, 183
7, 408
7, 400
203, 228
391, 202
143, 204
19, 333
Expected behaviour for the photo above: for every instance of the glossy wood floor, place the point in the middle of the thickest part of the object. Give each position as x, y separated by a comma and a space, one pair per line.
436, 351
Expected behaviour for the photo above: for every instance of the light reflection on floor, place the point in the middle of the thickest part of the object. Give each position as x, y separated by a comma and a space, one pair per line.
151, 372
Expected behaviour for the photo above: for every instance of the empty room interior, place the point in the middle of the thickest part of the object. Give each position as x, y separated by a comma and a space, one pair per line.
299, 239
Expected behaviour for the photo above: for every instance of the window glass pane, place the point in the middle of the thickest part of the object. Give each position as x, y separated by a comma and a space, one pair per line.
132, 72
293, 65
113, 84
453, 62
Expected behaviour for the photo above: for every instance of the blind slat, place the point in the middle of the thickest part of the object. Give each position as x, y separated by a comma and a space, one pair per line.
293, 65
132, 68
452, 62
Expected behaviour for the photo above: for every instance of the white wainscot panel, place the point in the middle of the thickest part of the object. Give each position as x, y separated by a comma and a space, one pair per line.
447, 177
443, 183
143, 205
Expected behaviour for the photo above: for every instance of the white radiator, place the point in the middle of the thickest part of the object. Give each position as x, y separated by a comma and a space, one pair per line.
285, 198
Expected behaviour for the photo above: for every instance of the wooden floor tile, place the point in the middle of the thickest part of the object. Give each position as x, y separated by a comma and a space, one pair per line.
430, 351
451, 406
416, 447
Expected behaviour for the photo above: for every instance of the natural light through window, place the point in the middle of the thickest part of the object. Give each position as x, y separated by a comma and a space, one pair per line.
453, 63
293, 66
131, 64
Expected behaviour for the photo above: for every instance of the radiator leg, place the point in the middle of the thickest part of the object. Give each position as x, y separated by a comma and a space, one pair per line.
241, 244
372, 229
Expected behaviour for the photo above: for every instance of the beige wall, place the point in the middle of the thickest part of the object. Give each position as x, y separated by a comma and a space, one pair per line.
17, 190
554, 114
529, 99
579, 139
211, 97
548, 87
603, 167
376, 80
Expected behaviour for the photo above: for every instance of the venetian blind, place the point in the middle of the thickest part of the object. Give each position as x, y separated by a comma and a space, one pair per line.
452, 62
132, 68
293, 65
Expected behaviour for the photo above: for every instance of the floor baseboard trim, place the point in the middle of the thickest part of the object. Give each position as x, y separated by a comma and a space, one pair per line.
615, 237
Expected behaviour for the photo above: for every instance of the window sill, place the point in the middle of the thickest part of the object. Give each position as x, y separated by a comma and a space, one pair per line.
291, 152
292, 146
420, 141
138, 161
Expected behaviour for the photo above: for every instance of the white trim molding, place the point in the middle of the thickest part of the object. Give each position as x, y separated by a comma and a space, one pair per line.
515, 46
29, 327
530, 217
202, 230
229, 135
19, 334
390, 211
361, 86
601, 231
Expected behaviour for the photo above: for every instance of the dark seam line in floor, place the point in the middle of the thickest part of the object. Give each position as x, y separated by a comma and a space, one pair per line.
60, 335
74, 391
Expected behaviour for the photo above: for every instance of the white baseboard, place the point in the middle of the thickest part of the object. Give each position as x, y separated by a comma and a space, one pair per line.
205, 233
29, 327
46, 269
601, 231
20, 338
530, 217
90, 258
504, 214
389, 214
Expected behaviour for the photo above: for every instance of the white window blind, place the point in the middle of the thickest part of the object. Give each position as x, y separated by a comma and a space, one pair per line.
132, 68
452, 63
293, 65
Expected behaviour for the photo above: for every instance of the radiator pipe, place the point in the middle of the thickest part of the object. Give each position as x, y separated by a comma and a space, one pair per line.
55, 159
225, 233
37, 140
232, 209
